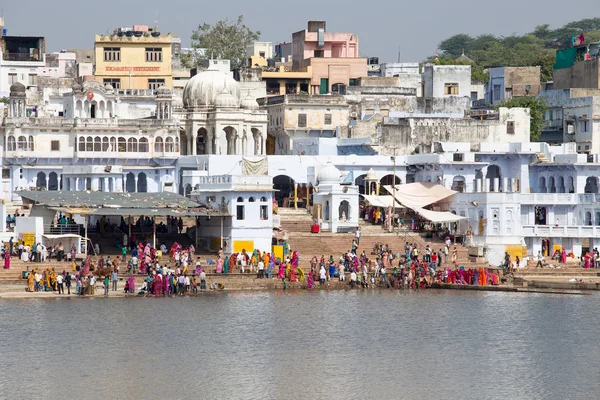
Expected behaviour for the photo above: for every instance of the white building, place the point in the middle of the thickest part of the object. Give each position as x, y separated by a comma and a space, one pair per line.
446, 80
20, 60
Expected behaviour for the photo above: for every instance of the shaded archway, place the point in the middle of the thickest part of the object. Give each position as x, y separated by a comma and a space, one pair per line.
542, 185
130, 183
388, 181
284, 189
360, 182
551, 185
458, 183
142, 183
202, 142
258, 142
327, 211
188, 190
41, 180
561, 184
344, 211
591, 185
494, 174
53, 181
588, 218
231, 137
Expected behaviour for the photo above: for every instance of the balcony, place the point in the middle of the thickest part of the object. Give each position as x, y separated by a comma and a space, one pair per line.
27, 57
560, 231
569, 199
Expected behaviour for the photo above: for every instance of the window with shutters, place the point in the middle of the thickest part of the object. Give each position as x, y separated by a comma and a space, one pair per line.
327, 119
153, 54
301, 120
112, 54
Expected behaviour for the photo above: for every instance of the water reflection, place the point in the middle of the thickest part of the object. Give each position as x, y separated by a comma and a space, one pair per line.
286, 345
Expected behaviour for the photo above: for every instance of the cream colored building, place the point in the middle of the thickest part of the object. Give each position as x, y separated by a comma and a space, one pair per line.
134, 59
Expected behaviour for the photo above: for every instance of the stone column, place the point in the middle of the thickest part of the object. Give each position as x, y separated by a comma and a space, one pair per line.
76, 183
209, 145
136, 181
194, 142
95, 183
263, 146
47, 182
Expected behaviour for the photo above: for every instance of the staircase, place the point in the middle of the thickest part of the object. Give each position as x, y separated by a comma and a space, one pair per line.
295, 220
541, 158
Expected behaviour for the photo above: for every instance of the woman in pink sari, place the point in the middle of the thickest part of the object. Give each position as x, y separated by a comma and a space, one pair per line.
586, 261
295, 259
311, 280
219, 265
281, 273
131, 282
563, 256
7, 260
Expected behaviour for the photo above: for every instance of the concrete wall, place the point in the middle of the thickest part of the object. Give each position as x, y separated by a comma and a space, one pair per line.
435, 77
408, 133
393, 69
584, 74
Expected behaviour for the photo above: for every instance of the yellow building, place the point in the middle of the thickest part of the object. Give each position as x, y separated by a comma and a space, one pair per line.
134, 60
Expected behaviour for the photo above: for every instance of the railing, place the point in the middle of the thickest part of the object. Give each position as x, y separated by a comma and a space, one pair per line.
20, 57
561, 231
61, 229
118, 233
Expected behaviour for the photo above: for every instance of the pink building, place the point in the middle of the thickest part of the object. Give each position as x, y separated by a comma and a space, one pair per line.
332, 55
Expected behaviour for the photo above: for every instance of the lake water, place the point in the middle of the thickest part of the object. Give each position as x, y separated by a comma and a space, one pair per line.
303, 345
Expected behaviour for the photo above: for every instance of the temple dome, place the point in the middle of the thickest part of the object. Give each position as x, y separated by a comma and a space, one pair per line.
17, 89
204, 88
329, 174
163, 92
249, 103
226, 99
371, 176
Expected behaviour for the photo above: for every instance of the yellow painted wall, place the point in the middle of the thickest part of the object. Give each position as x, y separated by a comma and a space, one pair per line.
239, 245
278, 252
133, 56
515, 251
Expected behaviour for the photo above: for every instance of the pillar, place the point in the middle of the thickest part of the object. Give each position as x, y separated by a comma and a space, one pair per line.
95, 183
307, 196
295, 196
76, 183
194, 141
264, 146
297, 87
378, 187
48, 182
136, 181
209, 145
496, 183
281, 87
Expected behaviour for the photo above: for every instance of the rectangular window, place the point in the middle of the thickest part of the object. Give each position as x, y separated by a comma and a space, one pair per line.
33, 80
240, 213
112, 54
327, 119
154, 84
458, 157
510, 127
301, 120
54, 145
584, 126
319, 53
262, 54
264, 212
451, 88
496, 92
12, 78
153, 54
5, 173
114, 82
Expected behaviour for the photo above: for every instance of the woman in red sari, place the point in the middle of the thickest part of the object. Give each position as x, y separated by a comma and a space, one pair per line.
7, 260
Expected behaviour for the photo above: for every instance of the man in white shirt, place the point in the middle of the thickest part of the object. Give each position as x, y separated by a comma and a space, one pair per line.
322, 275
352, 279
342, 273
202, 280
357, 234
261, 269
59, 281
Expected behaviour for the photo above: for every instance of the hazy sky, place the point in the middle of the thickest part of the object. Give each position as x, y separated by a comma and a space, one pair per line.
416, 26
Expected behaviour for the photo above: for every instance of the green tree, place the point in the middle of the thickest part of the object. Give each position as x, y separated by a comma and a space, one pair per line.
453, 46
537, 107
225, 40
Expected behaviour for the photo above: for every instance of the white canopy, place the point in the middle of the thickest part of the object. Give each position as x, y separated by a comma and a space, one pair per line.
420, 194
438, 216
381, 201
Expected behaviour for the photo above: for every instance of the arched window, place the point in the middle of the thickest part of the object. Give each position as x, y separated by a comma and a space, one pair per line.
142, 183
113, 144
22, 143
97, 144
104, 144
240, 199
159, 146
143, 146
597, 218
169, 145
11, 143
263, 199
132, 145
31, 146
81, 143
89, 144
176, 145
122, 146
251, 199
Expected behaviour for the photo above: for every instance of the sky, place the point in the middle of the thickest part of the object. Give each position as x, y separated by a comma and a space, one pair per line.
385, 27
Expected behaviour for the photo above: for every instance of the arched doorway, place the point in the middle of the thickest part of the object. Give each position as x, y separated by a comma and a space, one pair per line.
458, 183
284, 189
360, 182
202, 142
591, 185
561, 184
542, 185
588, 218
130, 183
231, 137
41, 180
344, 211
327, 211
494, 174
188, 191
388, 181
53, 181
142, 183
552, 184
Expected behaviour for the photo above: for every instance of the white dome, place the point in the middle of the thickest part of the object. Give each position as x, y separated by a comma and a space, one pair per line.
249, 103
204, 88
371, 175
329, 174
225, 99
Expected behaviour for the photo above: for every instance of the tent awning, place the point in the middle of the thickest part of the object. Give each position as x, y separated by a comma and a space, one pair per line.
438, 216
381, 201
420, 194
